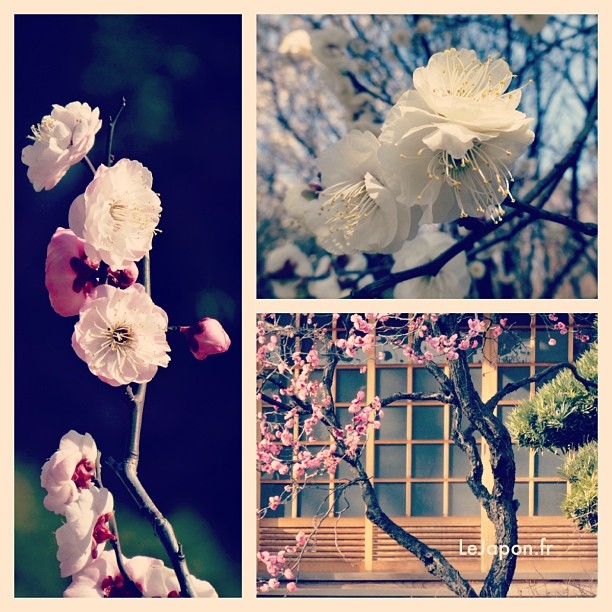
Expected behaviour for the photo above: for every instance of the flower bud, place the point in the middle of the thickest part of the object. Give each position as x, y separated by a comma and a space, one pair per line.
206, 337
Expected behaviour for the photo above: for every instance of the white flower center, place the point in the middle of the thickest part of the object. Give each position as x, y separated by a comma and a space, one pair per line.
476, 176
44, 130
352, 202
473, 80
118, 338
133, 218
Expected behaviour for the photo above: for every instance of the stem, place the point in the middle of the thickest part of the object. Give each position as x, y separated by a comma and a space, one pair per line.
111, 133
88, 163
116, 544
127, 471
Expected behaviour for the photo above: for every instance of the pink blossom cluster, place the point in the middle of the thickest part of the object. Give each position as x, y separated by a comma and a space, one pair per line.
279, 565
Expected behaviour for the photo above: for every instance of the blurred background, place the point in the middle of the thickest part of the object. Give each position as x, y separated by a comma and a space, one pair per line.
181, 77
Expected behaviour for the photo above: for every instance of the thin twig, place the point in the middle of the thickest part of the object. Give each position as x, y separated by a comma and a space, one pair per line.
111, 133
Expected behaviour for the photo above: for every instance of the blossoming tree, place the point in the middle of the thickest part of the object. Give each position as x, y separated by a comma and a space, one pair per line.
416, 150
304, 436
90, 273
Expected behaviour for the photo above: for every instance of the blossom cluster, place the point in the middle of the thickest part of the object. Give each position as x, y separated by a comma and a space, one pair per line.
91, 269
69, 476
445, 151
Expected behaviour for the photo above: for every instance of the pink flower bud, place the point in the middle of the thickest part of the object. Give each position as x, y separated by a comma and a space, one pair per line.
123, 278
206, 337
291, 587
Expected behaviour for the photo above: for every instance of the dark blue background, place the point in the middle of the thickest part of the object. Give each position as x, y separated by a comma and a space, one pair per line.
181, 77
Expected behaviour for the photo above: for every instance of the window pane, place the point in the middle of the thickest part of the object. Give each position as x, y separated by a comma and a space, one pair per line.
459, 464
393, 425
390, 354
392, 497
427, 422
521, 492
461, 500
513, 346
319, 431
390, 461
547, 464
426, 498
349, 502
521, 458
427, 461
503, 412
344, 471
390, 380
476, 374
270, 490
508, 375
348, 382
548, 498
344, 416
545, 352
423, 381
313, 500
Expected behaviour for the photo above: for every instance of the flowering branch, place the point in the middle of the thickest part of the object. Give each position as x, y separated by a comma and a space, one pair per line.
111, 133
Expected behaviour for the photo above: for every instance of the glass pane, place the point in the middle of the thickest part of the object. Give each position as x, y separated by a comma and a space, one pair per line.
313, 500
270, 490
459, 465
426, 498
513, 346
349, 502
423, 381
344, 416
548, 498
344, 471
427, 461
503, 412
476, 375
391, 380
393, 425
389, 353
547, 464
521, 492
348, 382
545, 351
390, 461
427, 422
461, 500
521, 458
508, 375
392, 497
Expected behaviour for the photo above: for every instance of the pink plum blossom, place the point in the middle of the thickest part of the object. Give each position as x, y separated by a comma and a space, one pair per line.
70, 277
121, 335
291, 587
207, 337
82, 538
61, 140
102, 578
118, 214
68, 471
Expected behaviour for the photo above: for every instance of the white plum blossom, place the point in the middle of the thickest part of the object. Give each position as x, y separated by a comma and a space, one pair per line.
117, 215
296, 44
102, 579
329, 45
532, 24
450, 143
82, 538
286, 265
68, 471
357, 211
327, 287
121, 335
61, 140
452, 281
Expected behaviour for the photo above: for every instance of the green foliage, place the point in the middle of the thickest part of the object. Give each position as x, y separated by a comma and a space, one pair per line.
563, 413
580, 470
